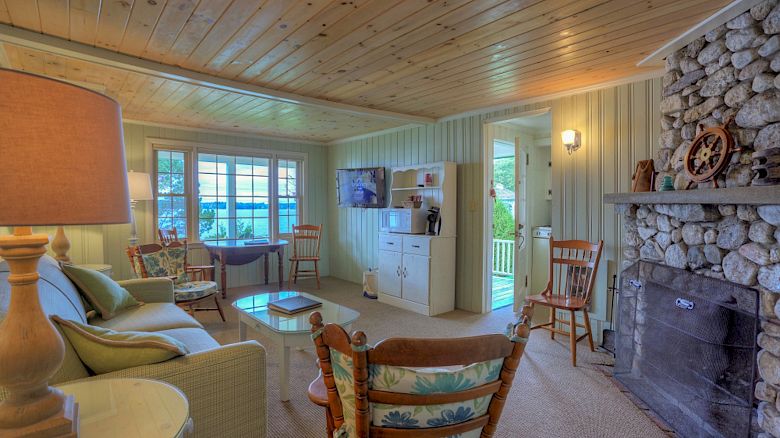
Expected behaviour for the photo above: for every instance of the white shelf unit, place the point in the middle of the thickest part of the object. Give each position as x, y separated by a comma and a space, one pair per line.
410, 180
417, 272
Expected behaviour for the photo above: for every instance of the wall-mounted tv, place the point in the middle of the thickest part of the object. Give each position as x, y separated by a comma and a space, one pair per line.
363, 187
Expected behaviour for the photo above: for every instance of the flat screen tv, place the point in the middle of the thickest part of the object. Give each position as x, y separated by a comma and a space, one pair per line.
363, 187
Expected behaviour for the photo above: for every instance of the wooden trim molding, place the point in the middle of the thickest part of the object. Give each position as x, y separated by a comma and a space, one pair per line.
59, 46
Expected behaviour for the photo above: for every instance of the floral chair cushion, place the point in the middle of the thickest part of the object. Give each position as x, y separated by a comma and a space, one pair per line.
176, 264
156, 264
193, 290
415, 381
345, 385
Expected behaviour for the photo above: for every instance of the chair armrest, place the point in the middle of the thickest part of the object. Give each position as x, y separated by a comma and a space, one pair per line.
225, 387
205, 272
150, 290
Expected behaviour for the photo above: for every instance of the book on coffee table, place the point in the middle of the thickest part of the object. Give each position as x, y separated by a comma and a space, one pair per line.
292, 305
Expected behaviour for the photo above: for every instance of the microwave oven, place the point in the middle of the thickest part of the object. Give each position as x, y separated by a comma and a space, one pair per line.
404, 220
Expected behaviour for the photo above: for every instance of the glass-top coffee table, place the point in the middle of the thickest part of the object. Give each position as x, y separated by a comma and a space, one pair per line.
287, 331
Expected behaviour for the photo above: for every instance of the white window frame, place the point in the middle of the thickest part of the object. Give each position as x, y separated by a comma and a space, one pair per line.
192, 149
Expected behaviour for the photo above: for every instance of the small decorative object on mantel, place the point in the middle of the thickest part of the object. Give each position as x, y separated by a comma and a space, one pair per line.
766, 163
710, 154
667, 185
644, 177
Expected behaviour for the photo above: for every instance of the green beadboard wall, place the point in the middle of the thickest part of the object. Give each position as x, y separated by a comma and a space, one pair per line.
619, 126
107, 244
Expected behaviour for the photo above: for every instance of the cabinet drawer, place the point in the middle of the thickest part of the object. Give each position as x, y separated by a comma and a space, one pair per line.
417, 245
390, 242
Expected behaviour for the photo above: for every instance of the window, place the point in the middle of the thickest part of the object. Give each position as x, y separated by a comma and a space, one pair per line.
171, 190
233, 197
288, 195
209, 193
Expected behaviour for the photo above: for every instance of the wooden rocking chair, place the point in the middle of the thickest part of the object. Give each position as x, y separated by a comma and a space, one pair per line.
573, 266
424, 402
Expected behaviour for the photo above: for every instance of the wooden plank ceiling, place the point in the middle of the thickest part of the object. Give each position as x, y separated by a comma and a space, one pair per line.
429, 58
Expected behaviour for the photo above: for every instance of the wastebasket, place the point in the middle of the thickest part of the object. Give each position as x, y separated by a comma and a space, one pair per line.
369, 283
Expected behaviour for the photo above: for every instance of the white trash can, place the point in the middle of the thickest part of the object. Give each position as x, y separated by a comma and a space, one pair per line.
369, 283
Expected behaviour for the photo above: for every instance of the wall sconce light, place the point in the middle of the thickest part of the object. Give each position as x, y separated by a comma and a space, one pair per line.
571, 139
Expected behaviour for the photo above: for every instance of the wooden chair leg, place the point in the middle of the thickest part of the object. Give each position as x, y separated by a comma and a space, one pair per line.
552, 321
295, 274
317, 273
586, 318
219, 307
329, 422
191, 311
573, 337
290, 277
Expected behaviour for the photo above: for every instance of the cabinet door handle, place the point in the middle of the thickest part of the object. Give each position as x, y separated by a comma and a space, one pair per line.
404, 271
390, 243
398, 271
416, 246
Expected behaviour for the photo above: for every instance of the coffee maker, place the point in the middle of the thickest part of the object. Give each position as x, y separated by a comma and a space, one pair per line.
434, 221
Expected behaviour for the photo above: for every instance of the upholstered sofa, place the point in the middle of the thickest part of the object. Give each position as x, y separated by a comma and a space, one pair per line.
225, 385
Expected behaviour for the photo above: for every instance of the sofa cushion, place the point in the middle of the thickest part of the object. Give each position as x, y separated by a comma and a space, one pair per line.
105, 295
195, 339
150, 317
104, 350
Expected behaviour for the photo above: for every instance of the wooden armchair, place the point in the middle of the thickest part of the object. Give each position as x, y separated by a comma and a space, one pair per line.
192, 284
573, 266
306, 248
409, 402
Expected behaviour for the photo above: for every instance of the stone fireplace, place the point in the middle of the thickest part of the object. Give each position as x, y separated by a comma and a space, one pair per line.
731, 233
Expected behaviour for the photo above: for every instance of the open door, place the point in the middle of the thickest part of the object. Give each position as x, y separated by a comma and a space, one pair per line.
521, 230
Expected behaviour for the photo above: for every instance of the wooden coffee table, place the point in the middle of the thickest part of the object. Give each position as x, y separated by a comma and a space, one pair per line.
293, 331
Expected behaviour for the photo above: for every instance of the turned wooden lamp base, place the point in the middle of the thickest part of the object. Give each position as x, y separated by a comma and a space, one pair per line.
64, 424
31, 350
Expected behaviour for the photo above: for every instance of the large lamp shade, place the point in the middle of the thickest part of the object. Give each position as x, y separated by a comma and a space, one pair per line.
63, 157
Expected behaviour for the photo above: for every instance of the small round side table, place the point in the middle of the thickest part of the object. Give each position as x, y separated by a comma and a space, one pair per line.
129, 408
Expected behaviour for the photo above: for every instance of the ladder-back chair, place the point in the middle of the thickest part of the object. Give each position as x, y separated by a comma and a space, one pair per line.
392, 389
572, 274
168, 235
306, 248
192, 284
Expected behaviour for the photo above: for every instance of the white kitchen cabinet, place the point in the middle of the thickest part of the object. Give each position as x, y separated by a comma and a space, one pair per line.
417, 272
390, 265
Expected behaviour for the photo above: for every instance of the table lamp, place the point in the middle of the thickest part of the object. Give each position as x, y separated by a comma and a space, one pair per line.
63, 163
140, 185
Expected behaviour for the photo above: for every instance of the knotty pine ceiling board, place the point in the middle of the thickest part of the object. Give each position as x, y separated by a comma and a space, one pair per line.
429, 58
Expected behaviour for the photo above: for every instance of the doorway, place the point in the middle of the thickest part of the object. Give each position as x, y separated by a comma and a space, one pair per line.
518, 173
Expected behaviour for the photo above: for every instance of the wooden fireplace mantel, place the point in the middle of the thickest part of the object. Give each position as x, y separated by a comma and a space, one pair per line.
736, 195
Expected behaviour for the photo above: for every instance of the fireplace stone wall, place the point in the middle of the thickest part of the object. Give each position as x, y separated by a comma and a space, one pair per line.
732, 71
737, 243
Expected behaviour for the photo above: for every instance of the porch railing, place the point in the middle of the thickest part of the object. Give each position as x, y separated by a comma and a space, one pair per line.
503, 257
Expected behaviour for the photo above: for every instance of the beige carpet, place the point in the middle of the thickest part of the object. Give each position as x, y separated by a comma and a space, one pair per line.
548, 399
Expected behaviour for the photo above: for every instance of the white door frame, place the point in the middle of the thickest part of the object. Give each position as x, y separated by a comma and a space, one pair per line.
487, 218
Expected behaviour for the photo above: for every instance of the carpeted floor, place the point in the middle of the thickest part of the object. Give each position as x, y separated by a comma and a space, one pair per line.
549, 398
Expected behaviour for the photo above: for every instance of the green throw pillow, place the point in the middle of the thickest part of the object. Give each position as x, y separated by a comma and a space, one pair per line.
105, 294
104, 350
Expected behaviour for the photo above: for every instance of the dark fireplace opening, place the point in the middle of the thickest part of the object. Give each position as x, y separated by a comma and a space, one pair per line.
686, 346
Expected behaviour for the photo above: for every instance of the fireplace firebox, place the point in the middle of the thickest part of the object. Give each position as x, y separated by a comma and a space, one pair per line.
686, 346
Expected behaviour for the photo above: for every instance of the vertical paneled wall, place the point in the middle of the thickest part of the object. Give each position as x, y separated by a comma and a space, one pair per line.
619, 126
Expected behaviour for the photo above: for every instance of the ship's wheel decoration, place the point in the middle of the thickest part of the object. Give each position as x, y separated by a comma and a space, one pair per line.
710, 154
